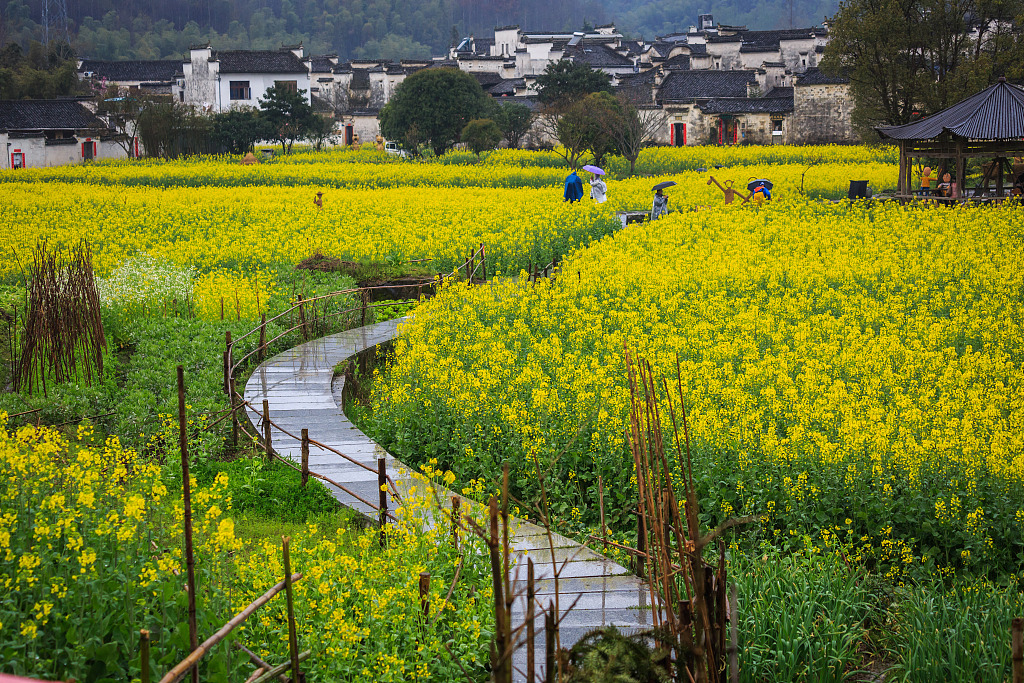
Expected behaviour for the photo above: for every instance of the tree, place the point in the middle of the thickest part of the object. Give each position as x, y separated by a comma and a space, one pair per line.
121, 110
238, 130
514, 119
600, 114
565, 80
438, 102
908, 57
633, 126
481, 135
287, 114
321, 131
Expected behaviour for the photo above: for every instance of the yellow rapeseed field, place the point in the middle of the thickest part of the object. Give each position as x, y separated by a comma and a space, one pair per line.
854, 367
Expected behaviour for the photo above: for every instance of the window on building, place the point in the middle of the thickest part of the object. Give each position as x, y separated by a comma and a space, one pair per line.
776, 125
240, 90
291, 85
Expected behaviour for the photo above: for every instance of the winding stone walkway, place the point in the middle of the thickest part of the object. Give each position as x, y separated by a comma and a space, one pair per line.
303, 393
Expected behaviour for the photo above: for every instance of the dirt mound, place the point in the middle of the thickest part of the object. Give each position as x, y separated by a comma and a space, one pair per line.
326, 264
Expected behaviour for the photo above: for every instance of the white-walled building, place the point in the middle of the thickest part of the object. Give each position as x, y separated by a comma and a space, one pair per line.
35, 133
221, 80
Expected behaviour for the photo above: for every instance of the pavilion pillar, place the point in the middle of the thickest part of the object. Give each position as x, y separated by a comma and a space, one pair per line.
901, 190
960, 170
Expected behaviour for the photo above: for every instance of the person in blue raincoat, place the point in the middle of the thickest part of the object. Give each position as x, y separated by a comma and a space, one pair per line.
573, 188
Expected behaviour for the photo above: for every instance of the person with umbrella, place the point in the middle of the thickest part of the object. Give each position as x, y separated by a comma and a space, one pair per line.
660, 205
598, 189
573, 188
760, 190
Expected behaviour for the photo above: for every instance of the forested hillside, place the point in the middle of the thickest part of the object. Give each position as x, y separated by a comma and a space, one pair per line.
147, 29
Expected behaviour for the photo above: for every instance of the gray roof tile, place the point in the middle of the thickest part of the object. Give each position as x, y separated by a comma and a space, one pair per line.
46, 115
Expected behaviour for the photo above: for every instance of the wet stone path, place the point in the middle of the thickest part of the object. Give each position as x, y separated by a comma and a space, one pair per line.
303, 393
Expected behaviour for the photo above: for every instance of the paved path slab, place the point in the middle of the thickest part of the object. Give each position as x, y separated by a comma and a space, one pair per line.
302, 392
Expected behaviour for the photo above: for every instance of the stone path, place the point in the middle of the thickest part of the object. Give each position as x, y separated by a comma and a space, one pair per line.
303, 393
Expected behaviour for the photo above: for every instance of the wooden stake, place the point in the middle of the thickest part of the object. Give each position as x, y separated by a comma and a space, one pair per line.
425, 593
382, 487
502, 661
362, 319
262, 353
734, 647
302, 316
278, 670
505, 550
456, 519
600, 502
222, 308
293, 639
483, 261
305, 456
268, 447
190, 564
531, 635
1017, 646
144, 655
549, 644
234, 414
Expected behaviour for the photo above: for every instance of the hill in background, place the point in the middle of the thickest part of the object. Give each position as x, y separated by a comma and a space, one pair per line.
393, 29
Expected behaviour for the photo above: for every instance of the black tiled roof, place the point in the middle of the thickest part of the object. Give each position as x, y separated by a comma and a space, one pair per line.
677, 62
259, 62
777, 93
486, 79
507, 87
322, 64
701, 84
597, 56
814, 76
772, 38
748, 105
45, 115
736, 38
995, 113
133, 70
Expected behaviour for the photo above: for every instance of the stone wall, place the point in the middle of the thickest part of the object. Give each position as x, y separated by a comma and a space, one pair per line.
821, 114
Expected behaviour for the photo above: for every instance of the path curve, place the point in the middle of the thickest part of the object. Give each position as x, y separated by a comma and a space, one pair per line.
301, 389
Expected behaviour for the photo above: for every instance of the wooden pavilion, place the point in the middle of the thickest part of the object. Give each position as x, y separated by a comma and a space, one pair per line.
989, 125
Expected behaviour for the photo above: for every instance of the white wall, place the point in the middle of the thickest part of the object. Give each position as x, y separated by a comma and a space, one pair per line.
258, 86
38, 154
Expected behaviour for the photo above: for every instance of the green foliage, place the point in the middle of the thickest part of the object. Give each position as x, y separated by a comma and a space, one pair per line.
481, 135
36, 74
287, 114
238, 130
390, 312
610, 656
878, 43
170, 130
436, 104
514, 119
320, 131
565, 81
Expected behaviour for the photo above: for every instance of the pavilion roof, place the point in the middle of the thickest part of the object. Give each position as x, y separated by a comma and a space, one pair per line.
995, 113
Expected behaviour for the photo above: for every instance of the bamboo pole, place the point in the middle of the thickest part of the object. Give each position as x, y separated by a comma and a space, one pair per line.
277, 670
197, 653
263, 667
193, 637
144, 655
293, 639
305, 456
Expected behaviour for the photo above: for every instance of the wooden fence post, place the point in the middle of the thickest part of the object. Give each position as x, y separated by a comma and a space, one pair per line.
483, 260
227, 360
144, 655
302, 316
262, 353
222, 308
234, 416
362, 319
268, 447
186, 489
600, 502
531, 628
425, 593
293, 639
471, 266
456, 501
549, 644
305, 456
382, 485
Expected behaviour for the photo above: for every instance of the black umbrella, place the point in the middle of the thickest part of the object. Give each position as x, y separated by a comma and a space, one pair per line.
662, 186
754, 184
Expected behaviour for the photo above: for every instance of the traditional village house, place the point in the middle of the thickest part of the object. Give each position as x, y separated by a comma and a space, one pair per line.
36, 133
221, 80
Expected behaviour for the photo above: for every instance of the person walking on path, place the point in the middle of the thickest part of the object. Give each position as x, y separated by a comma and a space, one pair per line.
660, 205
598, 189
573, 188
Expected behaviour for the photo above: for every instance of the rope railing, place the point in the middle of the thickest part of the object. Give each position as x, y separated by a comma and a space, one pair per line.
474, 263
